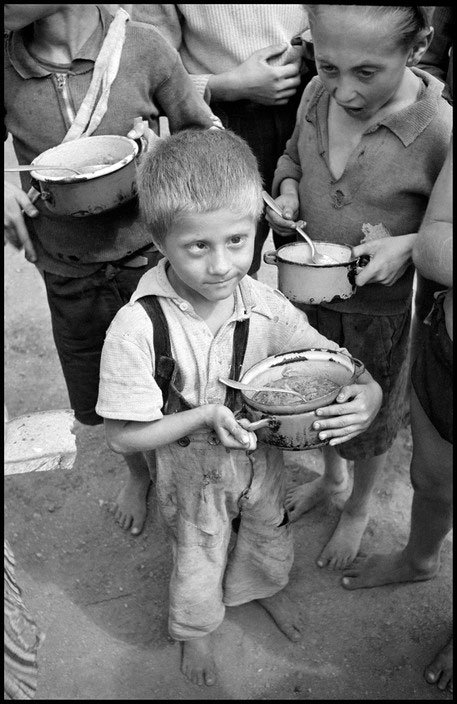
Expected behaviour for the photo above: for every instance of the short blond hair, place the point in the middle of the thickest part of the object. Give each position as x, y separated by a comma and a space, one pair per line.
197, 171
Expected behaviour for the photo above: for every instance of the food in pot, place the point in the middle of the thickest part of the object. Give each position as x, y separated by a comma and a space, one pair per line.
309, 387
302, 255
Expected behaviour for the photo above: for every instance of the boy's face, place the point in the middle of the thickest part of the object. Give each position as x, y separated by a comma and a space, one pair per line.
359, 61
209, 254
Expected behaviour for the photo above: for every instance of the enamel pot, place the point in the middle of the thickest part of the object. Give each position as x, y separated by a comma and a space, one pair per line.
93, 192
289, 427
302, 281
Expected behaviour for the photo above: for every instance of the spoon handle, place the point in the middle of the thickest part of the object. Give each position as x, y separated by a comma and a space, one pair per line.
30, 167
245, 387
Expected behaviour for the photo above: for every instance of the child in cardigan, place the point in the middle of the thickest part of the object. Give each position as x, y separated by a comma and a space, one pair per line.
370, 139
90, 265
200, 193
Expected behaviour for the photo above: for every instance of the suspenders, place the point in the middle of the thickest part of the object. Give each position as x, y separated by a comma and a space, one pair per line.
166, 365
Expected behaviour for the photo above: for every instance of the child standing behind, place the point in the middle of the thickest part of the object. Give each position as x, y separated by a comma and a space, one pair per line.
370, 139
200, 193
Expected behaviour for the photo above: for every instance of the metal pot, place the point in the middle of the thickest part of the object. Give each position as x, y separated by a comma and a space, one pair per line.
95, 191
289, 427
302, 281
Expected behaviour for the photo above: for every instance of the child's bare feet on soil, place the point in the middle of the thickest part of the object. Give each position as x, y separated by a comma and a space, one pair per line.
130, 507
343, 546
303, 498
284, 613
197, 662
376, 570
439, 671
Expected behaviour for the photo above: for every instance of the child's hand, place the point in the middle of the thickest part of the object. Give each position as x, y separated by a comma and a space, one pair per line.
290, 208
231, 433
389, 259
16, 204
142, 131
357, 406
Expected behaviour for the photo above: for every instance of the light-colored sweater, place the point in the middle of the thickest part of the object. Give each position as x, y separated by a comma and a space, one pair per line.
212, 38
388, 179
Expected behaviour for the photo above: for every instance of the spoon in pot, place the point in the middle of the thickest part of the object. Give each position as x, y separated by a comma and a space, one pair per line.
31, 167
315, 256
246, 387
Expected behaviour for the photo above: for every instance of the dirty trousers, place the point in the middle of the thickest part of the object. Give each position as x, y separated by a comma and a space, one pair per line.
201, 488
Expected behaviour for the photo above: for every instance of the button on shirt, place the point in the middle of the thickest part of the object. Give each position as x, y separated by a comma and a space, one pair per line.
127, 388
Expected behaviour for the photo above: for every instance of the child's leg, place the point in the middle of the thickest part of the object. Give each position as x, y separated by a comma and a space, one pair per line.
259, 564
431, 513
334, 480
344, 544
130, 507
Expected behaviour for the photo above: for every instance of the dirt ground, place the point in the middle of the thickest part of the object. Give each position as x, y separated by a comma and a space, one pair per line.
100, 595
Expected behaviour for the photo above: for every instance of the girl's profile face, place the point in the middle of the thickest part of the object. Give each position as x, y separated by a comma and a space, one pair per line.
359, 59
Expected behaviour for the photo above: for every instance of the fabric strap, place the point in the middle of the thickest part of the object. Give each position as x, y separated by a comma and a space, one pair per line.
106, 66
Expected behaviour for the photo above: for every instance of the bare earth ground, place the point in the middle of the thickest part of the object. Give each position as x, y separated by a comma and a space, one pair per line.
100, 595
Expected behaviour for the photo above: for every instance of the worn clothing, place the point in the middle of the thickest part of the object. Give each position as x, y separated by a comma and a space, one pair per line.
40, 103
82, 309
388, 179
127, 387
432, 372
201, 487
379, 341
212, 39
216, 38
22, 637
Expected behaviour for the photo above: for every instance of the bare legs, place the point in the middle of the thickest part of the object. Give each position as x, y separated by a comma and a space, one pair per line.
344, 544
431, 520
130, 507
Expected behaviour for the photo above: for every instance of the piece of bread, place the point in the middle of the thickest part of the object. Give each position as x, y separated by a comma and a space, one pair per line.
39, 442
374, 232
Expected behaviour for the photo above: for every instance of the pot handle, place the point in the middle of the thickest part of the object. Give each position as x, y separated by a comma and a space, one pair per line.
361, 366
270, 257
362, 261
262, 423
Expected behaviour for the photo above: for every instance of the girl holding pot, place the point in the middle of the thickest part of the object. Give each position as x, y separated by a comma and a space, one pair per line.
370, 139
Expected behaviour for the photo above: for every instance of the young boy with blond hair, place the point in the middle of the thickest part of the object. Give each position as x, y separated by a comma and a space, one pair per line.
200, 195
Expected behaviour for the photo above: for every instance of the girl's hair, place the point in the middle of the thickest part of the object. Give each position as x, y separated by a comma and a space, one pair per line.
410, 20
197, 171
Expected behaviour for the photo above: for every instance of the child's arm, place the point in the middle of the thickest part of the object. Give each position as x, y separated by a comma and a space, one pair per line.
356, 408
128, 436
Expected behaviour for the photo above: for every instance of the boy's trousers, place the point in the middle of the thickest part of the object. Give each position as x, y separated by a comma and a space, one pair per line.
201, 489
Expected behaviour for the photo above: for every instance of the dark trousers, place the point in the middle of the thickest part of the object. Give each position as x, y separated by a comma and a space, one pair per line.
266, 129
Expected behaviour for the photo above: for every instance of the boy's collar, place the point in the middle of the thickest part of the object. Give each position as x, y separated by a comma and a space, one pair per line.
28, 67
155, 282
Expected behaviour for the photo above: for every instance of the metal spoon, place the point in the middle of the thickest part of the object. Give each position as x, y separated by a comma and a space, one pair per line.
246, 387
83, 169
31, 167
315, 256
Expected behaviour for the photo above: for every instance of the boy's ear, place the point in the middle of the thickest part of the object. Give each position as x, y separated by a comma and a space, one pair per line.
420, 47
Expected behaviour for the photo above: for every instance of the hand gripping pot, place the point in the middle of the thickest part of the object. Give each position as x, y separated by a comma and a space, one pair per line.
95, 191
289, 427
301, 280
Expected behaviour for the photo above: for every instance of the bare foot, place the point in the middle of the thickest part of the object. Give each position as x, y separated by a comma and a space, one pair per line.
344, 544
284, 613
197, 662
303, 498
130, 507
439, 671
378, 569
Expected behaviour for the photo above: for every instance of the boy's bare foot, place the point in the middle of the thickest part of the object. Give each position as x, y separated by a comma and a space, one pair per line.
439, 671
376, 570
130, 507
303, 498
344, 544
197, 662
284, 613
